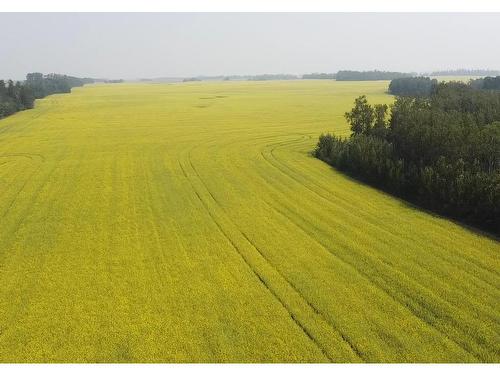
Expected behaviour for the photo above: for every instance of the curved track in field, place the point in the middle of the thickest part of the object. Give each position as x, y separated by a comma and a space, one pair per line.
190, 223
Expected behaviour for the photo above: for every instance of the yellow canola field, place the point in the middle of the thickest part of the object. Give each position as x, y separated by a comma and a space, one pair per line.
189, 223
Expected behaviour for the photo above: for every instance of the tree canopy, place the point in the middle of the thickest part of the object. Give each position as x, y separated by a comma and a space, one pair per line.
413, 86
17, 96
373, 75
440, 151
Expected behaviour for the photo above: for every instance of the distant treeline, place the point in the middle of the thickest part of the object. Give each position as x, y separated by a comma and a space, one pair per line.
441, 152
487, 83
466, 72
191, 79
425, 86
343, 75
113, 81
319, 76
261, 77
17, 96
267, 77
373, 75
273, 77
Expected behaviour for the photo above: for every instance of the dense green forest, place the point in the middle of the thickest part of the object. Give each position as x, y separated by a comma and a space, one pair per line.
17, 96
43, 85
487, 83
14, 97
413, 86
425, 86
441, 151
373, 75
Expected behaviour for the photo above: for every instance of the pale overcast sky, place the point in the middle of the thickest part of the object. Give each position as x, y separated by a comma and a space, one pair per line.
142, 45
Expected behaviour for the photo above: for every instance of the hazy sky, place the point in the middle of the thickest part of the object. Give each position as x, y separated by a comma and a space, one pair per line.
137, 45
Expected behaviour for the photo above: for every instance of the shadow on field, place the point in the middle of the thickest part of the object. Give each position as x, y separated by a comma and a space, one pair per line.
415, 206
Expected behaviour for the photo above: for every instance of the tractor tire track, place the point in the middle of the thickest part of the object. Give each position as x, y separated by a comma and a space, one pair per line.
256, 274
493, 272
335, 328
262, 280
398, 299
398, 241
377, 228
363, 274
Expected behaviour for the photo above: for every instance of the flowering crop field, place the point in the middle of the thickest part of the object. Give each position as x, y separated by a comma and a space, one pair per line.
190, 223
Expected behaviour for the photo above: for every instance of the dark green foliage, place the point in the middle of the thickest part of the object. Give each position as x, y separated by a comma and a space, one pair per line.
36, 83
457, 97
491, 83
379, 128
374, 75
42, 86
361, 117
14, 97
368, 120
18, 96
441, 152
486, 83
413, 86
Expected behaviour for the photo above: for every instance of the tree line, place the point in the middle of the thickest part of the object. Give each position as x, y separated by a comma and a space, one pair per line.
343, 75
413, 86
14, 97
487, 83
441, 152
425, 86
18, 96
319, 76
466, 72
372, 75
273, 77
